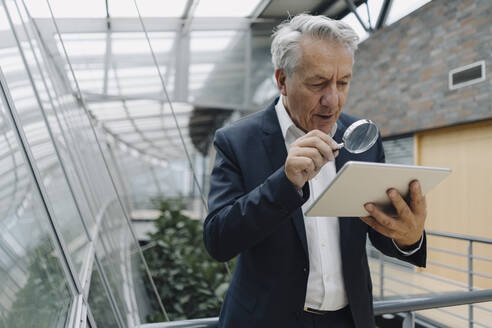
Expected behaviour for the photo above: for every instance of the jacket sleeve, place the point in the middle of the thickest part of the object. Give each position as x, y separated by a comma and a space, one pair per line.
239, 219
385, 245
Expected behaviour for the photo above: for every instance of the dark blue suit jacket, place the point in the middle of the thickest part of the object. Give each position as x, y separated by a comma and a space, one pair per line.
255, 214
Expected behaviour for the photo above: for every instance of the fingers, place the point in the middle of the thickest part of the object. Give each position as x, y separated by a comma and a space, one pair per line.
307, 155
302, 164
400, 204
311, 153
417, 206
326, 138
318, 144
370, 221
417, 199
409, 226
322, 142
382, 218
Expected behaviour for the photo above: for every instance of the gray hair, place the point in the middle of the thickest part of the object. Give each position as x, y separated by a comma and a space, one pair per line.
285, 44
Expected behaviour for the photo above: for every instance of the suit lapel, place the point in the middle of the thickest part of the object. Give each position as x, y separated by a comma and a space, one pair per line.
276, 152
272, 139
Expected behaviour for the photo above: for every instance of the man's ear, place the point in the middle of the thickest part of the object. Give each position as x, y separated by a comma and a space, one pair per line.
280, 77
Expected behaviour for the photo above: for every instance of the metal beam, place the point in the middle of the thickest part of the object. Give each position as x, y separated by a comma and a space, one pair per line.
383, 14
153, 24
107, 58
188, 16
323, 7
136, 118
336, 9
90, 97
181, 76
260, 8
353, 8
188, 8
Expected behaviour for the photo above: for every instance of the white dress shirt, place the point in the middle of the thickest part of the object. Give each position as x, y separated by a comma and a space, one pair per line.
325, 287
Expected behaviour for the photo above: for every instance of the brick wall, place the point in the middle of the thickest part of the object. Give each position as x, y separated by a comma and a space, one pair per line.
401, 72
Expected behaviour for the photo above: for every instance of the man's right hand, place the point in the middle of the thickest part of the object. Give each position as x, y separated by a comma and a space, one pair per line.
307, 155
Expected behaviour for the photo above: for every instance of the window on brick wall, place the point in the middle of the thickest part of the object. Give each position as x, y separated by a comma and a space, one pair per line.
467, 75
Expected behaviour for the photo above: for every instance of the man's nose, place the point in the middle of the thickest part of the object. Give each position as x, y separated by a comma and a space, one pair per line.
330, 97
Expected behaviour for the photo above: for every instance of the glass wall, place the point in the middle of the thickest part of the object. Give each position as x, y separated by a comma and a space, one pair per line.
35, 290
65, 238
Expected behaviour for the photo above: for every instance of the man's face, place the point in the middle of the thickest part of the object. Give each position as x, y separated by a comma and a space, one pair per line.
315, 92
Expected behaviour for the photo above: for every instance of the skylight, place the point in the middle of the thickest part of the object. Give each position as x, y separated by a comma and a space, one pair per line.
147, 8
400, 9
374, 10
67, 9
226, 8
354, 23
97, 8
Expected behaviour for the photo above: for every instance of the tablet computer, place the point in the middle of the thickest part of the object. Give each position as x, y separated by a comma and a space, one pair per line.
358, 183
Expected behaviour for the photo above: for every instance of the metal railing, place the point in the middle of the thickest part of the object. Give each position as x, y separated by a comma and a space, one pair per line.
433, 299
470, 271
403, 305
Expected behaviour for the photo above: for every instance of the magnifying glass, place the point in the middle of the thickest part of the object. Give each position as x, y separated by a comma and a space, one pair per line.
359, 136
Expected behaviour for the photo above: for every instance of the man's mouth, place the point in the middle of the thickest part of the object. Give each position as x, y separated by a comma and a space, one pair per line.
325, 117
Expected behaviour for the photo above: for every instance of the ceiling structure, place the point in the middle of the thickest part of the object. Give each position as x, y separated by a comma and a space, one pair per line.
160, 80
212, 59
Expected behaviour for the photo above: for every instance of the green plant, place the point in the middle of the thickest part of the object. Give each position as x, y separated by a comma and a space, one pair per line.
191, 284
43, 298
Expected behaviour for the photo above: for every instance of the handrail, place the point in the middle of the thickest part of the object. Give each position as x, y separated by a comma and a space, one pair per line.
423, 302
458, 236
195, 323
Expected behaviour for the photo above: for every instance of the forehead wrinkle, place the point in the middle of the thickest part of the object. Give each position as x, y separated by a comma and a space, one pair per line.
310, 60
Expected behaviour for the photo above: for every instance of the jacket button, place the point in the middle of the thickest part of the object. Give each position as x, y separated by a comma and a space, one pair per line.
305, 270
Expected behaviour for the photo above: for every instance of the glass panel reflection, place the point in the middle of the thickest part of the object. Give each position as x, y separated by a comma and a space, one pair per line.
217, 68
263, 87
99, 302
71, 167
120, 260
33, 290
39, 139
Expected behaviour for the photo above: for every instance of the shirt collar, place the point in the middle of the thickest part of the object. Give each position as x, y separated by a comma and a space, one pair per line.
288, 126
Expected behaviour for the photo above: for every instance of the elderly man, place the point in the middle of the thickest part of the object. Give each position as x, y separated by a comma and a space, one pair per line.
291, 270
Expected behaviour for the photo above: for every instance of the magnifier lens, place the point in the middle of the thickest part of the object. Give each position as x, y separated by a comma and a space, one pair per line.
362, 136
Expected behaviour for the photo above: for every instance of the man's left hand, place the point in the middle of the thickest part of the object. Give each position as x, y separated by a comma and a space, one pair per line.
408, 227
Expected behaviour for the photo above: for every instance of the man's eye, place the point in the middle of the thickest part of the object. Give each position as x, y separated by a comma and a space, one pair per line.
318, 84
342, 83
